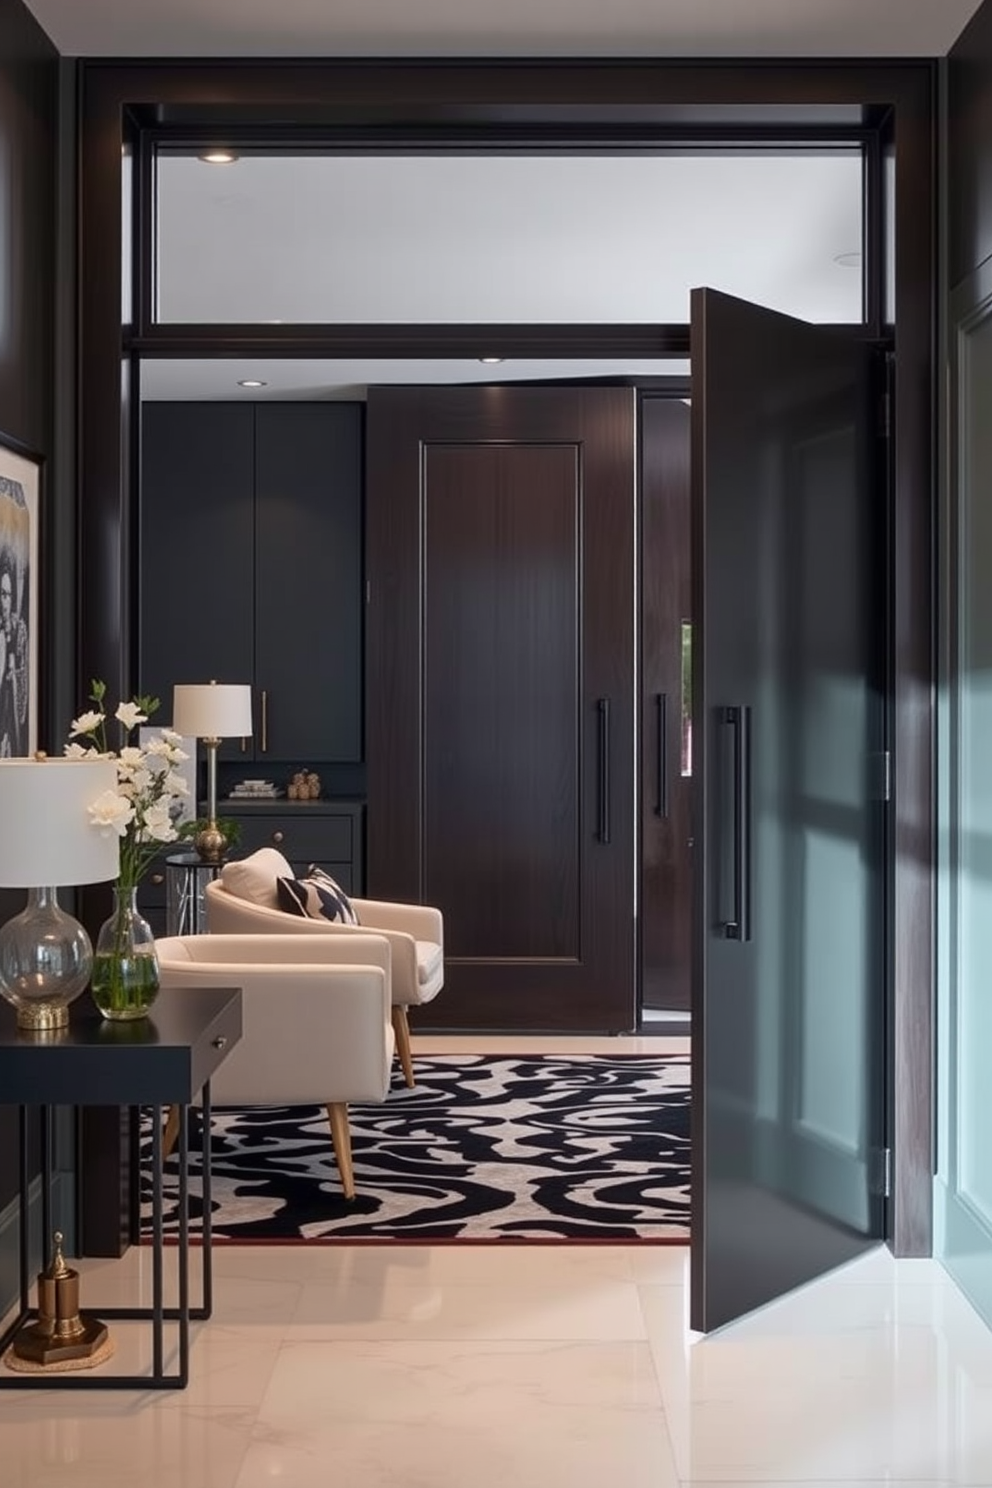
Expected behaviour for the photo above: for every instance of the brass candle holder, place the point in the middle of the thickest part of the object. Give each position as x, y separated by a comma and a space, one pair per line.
61, 1333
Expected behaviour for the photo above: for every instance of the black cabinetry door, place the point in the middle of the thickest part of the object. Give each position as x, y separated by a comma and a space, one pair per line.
251, 568
308, 582
197, 546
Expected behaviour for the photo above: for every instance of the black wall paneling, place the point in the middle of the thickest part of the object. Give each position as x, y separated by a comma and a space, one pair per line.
579, 101
29, 141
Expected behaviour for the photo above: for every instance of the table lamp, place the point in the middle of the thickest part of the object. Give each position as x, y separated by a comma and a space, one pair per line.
211, 711
48, 840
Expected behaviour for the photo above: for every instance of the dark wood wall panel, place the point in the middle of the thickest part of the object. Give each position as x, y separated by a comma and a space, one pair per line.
502, 555
554, 655
29, 89
969, 148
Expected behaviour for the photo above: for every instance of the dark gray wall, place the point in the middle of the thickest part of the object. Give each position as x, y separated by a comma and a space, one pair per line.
29, 94
969, 147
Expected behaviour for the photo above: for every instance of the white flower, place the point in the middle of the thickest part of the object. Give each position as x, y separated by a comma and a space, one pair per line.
149, 792
86, 723
158, 823
111, 813
130, 715
158, 747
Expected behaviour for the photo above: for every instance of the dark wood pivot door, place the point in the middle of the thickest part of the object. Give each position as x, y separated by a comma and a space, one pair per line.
788, 714
500, 693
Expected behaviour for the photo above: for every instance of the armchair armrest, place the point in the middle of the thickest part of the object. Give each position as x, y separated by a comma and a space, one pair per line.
313, 1032
421, 921
250, 951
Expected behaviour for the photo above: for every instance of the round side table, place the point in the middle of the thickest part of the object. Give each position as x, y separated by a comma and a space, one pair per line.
186, 877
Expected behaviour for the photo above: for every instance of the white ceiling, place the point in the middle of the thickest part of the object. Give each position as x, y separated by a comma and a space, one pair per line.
510, 28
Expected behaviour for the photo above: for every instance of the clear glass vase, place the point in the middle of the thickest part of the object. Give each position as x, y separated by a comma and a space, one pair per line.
125, 978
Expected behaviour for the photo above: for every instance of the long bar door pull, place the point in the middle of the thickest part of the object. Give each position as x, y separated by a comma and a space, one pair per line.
738, 719
603, 791
661, 756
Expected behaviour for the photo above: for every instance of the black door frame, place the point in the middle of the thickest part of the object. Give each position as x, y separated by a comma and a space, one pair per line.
579, 104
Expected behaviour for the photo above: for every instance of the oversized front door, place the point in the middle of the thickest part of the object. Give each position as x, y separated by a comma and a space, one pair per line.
789, 599
500, 693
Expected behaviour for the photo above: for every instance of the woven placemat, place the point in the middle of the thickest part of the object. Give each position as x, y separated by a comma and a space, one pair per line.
62, 1366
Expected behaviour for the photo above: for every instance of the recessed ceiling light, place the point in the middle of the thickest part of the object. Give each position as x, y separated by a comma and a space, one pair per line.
218, 157
491, 361
251, 382
848, 260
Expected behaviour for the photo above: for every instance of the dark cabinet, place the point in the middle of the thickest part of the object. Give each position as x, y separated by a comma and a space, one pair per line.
328, 833
251, 568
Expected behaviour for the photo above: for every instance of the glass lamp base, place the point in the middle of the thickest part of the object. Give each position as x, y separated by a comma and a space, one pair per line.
45, 962
43, 1017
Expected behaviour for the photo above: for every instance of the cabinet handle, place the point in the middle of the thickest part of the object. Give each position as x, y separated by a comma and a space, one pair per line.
265, 721
158, 878
278, 836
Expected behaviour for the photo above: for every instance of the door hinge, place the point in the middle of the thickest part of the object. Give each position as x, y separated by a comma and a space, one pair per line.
368, 591
880, 776
880, 1172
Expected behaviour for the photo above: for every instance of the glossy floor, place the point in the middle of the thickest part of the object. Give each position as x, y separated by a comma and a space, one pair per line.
466, 1366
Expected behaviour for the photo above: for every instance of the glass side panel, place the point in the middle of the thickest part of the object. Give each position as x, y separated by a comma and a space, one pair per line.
455, 239
963, 1207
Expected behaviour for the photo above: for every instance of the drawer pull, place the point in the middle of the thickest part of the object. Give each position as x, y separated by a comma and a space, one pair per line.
278, 836
220, 1042
158, 878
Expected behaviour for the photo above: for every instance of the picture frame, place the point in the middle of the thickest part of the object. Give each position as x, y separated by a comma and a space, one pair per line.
20, 517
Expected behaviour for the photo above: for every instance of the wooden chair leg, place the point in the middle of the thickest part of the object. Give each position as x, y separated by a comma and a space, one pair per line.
171, 1131
401, 1028
337, 1113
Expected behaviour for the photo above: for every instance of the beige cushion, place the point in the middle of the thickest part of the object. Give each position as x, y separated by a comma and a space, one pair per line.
255, 878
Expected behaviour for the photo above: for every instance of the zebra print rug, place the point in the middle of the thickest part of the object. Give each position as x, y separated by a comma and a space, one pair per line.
485, 1147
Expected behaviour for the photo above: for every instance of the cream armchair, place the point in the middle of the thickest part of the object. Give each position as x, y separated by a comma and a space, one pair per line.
316, 1015
244, 901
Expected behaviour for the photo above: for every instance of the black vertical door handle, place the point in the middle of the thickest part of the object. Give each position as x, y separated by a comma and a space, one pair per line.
739, 926
603, 791
661, 756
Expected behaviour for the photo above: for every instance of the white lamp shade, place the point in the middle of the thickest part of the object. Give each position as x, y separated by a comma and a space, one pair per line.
47, 837
212, 710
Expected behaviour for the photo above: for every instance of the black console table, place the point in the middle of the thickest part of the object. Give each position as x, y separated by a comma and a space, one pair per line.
166, 1059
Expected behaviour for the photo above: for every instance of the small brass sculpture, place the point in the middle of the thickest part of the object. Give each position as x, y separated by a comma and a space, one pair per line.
304, 786
60, 1333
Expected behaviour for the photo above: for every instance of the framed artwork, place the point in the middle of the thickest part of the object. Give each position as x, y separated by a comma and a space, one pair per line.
20, 481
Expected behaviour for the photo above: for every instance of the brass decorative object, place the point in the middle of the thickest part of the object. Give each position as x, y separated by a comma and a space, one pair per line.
61, 1334
304, 786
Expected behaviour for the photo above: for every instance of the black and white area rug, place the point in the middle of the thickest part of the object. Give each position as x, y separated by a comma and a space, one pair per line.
485, 1147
